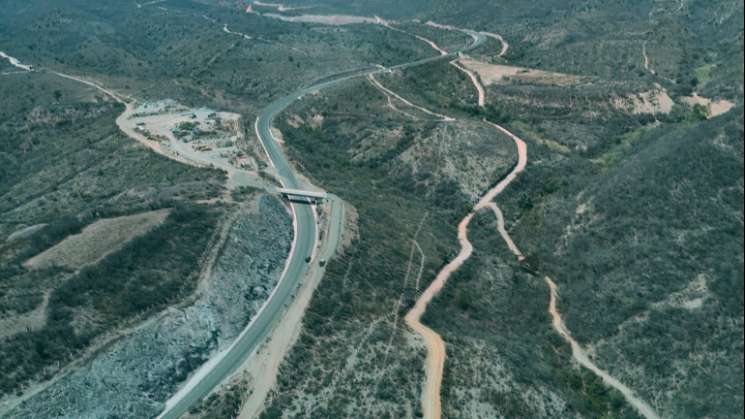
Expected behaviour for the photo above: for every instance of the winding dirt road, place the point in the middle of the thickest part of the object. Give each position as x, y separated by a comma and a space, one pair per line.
475, 80
503, 232
435, 363
436, 352
522, 161
580, 355
376, 83
474, 34
15, 62
502, 41
647, 61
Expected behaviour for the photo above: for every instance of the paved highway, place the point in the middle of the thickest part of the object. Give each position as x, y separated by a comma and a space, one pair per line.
304, 243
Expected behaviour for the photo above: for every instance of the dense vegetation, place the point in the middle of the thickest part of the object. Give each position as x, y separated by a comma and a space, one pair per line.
672, 204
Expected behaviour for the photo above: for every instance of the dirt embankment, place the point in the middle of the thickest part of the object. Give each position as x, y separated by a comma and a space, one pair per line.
141, 368
655, 101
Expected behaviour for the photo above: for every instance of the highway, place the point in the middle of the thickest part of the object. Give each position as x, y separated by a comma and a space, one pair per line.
227, 362
304, 242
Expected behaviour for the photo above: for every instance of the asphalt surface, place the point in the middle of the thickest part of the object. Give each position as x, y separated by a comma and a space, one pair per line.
305, 237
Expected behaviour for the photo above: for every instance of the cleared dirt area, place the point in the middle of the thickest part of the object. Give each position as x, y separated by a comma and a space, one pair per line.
97, 240
333, 20
714, 107
497, 74
652, 102
199, 135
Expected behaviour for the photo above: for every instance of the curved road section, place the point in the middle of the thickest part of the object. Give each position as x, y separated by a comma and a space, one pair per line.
303, 245
221, 367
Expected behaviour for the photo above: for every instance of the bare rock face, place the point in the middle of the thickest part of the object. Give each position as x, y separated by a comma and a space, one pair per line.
138, 373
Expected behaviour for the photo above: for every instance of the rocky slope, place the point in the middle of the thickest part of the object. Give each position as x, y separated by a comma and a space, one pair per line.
136, 374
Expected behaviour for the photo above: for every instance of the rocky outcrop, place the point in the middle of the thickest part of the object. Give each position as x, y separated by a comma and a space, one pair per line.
134, 376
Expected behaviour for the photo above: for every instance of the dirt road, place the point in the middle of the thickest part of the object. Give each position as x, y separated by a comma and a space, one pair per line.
583, 359
503, 232
522, 161
127, 125
474, 34
436, 353
227, 30
578, 353
502, 41
15, 62
475, 80
431, 403
647, 62
376, 83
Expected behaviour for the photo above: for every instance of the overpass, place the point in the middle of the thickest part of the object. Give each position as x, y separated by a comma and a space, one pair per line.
298, 193
219, 368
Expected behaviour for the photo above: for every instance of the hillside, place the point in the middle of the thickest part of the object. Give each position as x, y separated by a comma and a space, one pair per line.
555, 187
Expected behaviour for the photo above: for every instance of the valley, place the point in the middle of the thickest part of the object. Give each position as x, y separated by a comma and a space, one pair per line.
264, 210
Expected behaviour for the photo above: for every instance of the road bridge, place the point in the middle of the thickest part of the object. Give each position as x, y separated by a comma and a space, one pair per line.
299, 193
219, 368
